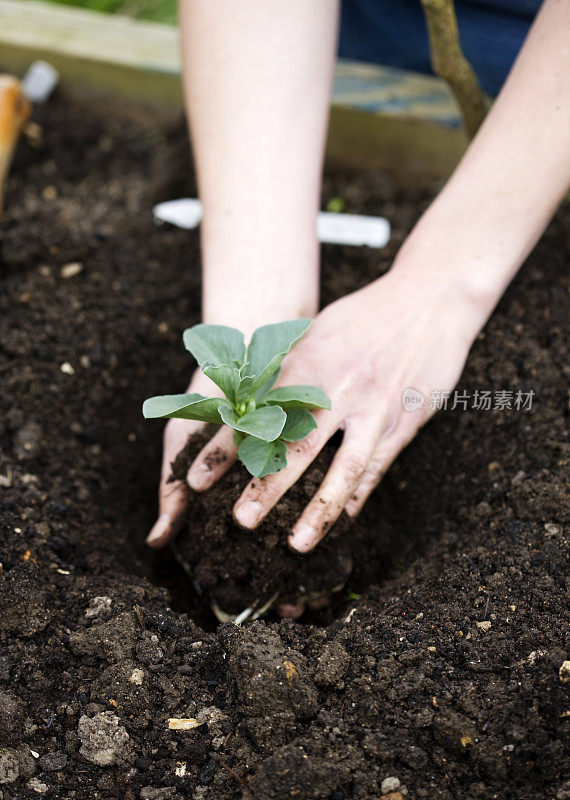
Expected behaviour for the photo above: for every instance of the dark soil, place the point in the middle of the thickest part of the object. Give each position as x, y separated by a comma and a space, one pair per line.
443, 675
238, 569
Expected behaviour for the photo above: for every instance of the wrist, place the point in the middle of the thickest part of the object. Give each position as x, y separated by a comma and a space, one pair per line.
452, 257
259, 294
262, 304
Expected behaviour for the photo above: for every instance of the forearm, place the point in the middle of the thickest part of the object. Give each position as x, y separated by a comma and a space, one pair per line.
257, 83
496, 205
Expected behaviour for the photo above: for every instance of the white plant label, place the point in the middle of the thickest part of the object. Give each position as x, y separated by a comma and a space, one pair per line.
349, 229
39, 81
353, 229
184, 213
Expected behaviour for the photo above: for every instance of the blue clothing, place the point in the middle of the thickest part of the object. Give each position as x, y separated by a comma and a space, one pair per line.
393, 33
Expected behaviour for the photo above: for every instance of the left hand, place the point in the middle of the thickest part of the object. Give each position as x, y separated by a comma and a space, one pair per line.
363, 351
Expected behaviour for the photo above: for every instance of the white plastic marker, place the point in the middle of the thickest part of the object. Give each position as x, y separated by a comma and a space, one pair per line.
352, 229
39, 81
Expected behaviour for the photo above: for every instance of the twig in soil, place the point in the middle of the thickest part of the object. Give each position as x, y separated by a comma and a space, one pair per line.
236, 776
137, 610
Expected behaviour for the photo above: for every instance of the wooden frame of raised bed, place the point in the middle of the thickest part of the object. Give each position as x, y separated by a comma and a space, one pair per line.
380, 117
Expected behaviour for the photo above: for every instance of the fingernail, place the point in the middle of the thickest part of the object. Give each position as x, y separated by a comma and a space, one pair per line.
303, 538
159, 529
248, 513
290, 610
199, 477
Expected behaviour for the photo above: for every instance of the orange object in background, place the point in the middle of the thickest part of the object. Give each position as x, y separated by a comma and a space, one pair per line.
15, 109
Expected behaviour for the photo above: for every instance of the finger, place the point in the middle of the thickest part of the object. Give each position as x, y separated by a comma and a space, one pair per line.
172, 497
345, 474
262, 494
296, 610
384, 456
291, 610
213, 461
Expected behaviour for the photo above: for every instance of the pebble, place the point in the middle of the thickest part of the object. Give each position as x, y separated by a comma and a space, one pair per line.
99, 607
137, 676
551, 529
391, 784
564, 672
102, 738
38, 786
71, 270
484, 626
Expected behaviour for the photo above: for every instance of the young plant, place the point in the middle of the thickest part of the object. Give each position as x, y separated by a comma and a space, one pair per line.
264, 419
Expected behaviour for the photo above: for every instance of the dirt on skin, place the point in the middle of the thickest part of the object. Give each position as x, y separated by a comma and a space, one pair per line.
442, 680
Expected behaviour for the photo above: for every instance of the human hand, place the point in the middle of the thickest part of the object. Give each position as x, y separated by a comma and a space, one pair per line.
363, 351
173, 496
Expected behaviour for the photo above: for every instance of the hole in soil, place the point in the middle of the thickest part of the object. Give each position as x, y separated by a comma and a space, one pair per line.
383, 550
401, 537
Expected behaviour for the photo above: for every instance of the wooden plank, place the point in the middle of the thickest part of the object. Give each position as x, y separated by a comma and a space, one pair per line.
105, 53
380, 116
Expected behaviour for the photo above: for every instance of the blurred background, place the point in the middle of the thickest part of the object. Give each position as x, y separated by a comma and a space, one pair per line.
158, 10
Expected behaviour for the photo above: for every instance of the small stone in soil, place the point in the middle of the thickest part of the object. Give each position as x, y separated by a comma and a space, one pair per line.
103, 740
71, 270
99, 607
38, 786
390, 784
564, 672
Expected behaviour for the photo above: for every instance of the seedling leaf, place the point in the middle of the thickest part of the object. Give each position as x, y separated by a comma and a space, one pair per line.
266, 387
269, 345
215, 345
262, 458
185, 406
298, 397
263, 419
227, 378
299, 423
263, 423
244, 391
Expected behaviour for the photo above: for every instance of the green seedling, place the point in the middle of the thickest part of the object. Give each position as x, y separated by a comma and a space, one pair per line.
263, 419
336, 205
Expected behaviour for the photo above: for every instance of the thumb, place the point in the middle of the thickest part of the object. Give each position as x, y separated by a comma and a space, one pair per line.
172, 496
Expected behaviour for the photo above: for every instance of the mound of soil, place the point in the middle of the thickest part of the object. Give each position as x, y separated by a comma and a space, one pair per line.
444, 679
239, 569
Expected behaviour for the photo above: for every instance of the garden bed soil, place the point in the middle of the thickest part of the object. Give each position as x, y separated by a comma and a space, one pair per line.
436, 673
237, 569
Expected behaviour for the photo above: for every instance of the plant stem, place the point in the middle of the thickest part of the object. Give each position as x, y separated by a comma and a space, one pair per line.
449, 62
